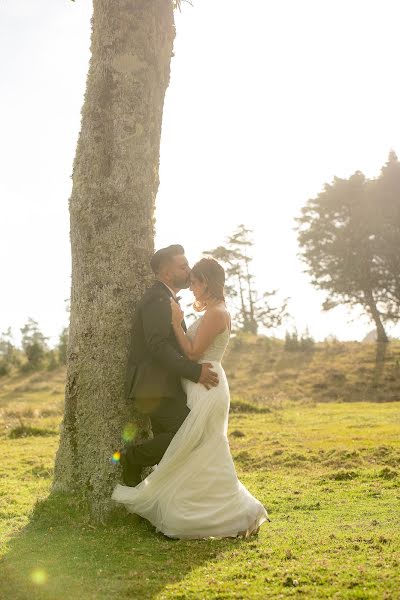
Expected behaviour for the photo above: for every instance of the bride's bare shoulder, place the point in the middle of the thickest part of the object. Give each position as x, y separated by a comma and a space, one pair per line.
218, 317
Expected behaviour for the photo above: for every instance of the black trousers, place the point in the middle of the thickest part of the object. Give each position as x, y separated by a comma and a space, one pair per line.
165, 422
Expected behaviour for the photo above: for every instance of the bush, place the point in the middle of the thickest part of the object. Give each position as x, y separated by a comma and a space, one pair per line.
52, 362
306, 343
5, 367
291, 342
23, 431
8, 353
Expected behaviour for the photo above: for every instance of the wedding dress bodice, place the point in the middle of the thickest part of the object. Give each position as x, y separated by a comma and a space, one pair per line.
216, 349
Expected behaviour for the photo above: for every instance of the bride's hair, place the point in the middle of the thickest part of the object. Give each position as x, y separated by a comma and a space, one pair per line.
210, 272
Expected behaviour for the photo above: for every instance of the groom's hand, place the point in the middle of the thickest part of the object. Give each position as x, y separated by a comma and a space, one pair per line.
208, 378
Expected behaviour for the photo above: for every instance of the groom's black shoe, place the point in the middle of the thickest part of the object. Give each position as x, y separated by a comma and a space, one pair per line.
130, 473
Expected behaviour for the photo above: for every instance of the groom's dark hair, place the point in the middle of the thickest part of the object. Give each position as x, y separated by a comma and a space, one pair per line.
164, 255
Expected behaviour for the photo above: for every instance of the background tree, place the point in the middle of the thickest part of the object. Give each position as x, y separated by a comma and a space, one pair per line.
337, 240
115, 181
34, 345
385, 222
8, 352
251, 310
62, 346
51, 359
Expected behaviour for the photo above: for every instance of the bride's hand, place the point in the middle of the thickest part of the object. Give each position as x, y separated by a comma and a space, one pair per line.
177, 313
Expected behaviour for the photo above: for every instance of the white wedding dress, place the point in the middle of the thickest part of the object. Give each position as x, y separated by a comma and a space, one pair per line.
194, 491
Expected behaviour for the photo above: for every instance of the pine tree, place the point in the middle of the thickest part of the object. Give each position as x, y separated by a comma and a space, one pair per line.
250, 309
34, 345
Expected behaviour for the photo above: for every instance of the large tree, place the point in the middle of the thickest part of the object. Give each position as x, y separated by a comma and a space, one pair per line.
115, 181
385, 221
337, 239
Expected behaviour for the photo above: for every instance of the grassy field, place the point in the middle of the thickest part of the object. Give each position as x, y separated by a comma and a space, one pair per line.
328, 473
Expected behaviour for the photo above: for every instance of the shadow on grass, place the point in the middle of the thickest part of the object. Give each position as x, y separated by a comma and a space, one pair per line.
60, 554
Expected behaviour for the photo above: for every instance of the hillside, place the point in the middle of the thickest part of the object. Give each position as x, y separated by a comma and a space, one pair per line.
259, 370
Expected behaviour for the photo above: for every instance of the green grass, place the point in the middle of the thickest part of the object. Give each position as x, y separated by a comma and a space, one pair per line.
327, 472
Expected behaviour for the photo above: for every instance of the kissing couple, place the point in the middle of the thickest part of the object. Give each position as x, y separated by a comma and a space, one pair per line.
176, 377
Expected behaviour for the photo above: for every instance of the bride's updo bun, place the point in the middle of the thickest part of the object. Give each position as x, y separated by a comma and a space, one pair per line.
210, 272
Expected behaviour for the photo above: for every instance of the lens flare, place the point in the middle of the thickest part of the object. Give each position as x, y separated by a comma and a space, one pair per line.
115, 457
39, 576
129, 433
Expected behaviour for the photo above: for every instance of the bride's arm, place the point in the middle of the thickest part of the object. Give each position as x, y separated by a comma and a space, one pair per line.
211, 325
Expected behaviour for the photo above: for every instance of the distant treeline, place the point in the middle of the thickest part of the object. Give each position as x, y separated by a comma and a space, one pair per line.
34, 353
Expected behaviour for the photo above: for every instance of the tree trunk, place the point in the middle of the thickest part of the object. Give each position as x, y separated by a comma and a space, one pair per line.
253, 323
115, 181
381, 336
243, 309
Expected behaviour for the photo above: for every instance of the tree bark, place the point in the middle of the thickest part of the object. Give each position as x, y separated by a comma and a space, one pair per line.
380, 330
115, 181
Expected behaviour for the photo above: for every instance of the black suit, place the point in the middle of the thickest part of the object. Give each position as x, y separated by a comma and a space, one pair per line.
154, 371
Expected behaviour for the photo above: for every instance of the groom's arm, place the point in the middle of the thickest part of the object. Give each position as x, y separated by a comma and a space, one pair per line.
157, 317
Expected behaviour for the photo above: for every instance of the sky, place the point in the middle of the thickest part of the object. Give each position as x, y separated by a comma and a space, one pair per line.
267, 102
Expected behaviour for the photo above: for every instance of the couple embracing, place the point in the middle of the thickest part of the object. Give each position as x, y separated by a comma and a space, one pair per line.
175, 376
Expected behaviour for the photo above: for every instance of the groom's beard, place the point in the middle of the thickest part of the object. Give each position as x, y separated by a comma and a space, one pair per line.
182, 284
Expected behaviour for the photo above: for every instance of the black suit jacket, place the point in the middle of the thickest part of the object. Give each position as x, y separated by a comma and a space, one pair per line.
155, 361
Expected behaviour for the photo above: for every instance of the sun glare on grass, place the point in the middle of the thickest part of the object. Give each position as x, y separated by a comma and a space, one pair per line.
39, 576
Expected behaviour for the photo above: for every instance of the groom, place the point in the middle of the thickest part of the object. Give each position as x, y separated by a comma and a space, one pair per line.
156, 364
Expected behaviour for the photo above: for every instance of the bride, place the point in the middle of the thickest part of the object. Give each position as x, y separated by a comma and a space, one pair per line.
194, 491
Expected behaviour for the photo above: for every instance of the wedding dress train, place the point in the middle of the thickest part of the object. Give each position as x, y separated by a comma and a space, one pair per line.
194, 491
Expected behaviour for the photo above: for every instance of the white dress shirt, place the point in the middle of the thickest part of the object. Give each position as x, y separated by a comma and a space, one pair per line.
172, 291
